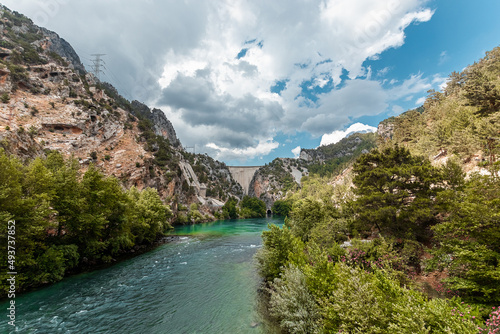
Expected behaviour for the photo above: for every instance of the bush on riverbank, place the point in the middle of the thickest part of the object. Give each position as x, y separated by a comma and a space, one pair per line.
63, 222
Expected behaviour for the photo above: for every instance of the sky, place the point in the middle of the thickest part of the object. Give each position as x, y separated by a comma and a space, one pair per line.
246, 81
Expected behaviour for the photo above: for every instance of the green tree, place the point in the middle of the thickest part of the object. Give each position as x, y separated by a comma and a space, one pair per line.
282, 207
256, 207
68, 197
469, 239
229, 208
102, 218
293, 305
147, 215
396, 191
482, 91
307, 214
277, 245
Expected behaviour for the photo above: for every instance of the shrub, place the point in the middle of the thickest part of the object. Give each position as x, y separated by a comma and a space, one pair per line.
181, 219
282, 207
492, 325
5, 98
293, 305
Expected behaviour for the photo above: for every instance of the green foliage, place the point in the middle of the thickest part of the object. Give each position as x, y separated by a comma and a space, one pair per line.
307, 213
64, 222
194, 215
16, 18
282, 207
229, 209
253, 207
482, 85
58, 59
461, 120
277, 245
332, 159
277, 172
5, 98
366, 286
72, 93
293, 305
331, 297
17, 73
469, 239
396, 192
147, 215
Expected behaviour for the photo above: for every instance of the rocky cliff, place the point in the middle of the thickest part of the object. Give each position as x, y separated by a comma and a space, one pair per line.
49, 102
272, 181
162, 126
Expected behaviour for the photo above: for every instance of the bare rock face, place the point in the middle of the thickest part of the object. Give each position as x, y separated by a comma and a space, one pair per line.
271, 182
54, 43
386, 129
162, 125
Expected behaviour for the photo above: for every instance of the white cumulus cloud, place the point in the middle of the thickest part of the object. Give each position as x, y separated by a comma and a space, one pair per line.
296, 151
338, 135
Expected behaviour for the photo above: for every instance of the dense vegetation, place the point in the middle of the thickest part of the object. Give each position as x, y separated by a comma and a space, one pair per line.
281, 207
353, 257
248, 207
65, 222
320, 284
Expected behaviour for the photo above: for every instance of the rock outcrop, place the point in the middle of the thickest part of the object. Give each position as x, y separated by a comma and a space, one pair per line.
271, 182
162, 126
58, 45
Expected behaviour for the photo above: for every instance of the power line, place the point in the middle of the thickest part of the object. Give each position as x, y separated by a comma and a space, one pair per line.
117, 81
97, 63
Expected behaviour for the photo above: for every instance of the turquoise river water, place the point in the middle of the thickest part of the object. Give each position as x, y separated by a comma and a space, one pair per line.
204, 283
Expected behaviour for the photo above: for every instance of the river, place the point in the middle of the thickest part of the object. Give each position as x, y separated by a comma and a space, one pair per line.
204, 283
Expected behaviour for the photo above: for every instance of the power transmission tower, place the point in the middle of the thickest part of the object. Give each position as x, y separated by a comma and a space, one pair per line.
190, 147
97, 63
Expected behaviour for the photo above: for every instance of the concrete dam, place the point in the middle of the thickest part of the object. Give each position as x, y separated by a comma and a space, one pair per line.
243, 175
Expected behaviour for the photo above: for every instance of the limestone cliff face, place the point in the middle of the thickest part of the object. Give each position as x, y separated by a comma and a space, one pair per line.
53, 43
49, 102
162, 126
271, 182
385, 129
263, 188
